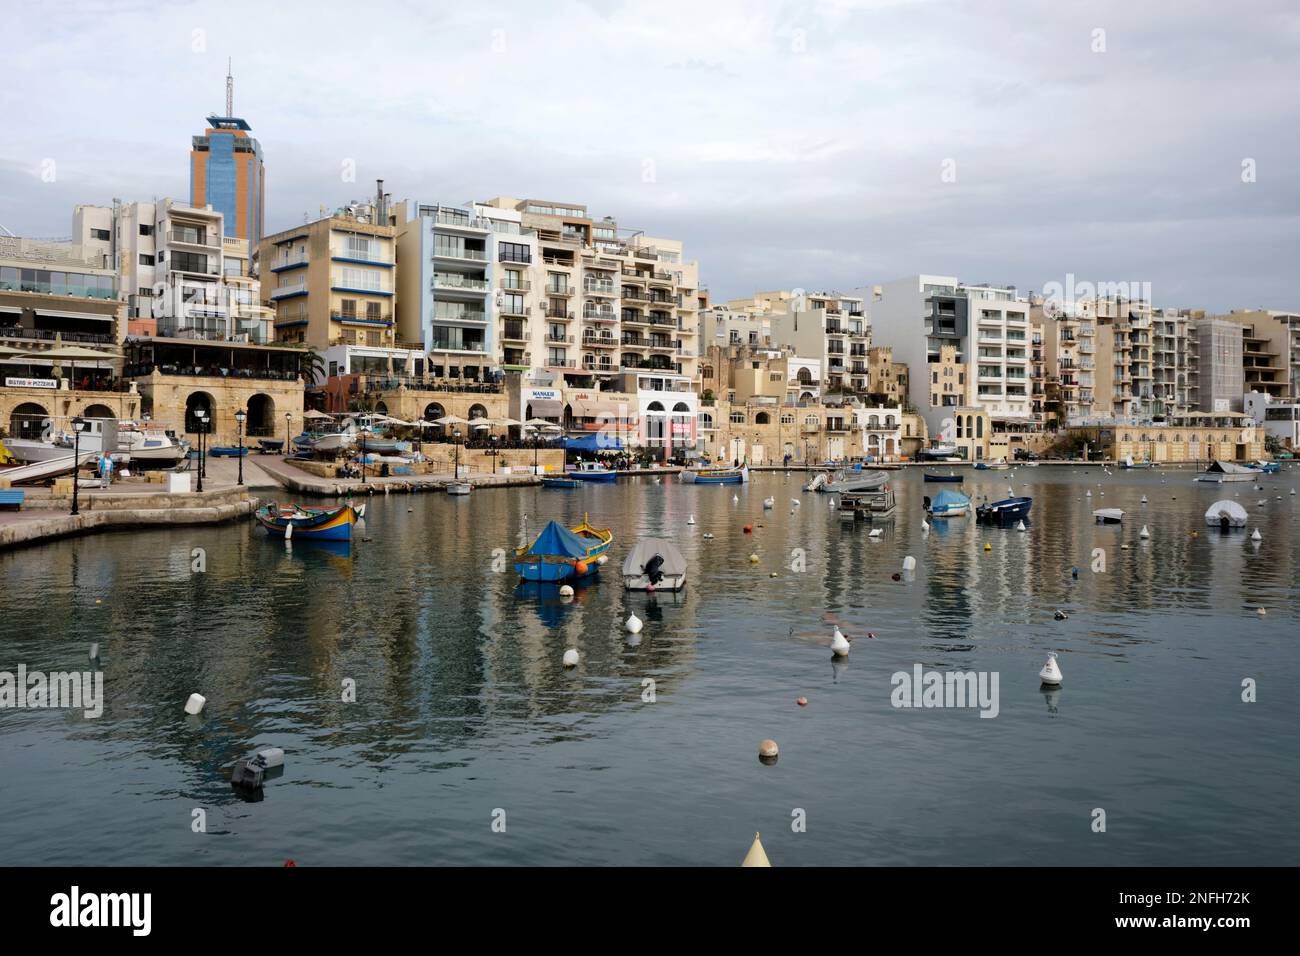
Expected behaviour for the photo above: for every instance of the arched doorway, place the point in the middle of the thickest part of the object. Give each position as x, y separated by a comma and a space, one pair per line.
381, 408
193, 402
654, 423
261, 416
761, 419
682, 433
98, 411
478, 411
28, 420
432, 412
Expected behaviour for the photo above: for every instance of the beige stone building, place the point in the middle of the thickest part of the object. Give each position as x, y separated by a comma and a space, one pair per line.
1186, 438
331, 281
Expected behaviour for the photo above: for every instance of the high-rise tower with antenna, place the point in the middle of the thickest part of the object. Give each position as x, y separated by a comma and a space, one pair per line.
227, 173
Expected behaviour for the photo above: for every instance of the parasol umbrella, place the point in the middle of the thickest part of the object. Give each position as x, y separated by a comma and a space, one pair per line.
69, 353
480, 423
450, 420
312, 413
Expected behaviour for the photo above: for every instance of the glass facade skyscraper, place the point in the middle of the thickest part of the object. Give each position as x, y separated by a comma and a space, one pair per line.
226, 172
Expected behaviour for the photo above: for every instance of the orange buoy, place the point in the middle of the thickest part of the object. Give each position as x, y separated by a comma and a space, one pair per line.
580, 567
802, 701
749, 529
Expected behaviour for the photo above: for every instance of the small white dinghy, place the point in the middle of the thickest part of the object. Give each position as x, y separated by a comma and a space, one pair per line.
654, 565
1108, 515
1226, 514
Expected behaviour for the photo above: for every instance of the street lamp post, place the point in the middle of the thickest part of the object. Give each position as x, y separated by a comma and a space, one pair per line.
78, 424
240, 417
494, 454
363, 454
288, 442
201, 420
455, 437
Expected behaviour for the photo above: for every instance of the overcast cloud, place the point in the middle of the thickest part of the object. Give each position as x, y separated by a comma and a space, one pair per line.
787, 144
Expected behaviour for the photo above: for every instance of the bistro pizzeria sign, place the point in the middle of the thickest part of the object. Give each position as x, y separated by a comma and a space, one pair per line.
31, 383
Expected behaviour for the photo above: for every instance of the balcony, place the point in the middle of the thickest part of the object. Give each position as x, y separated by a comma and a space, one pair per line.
599, 315
515, 332
515, 285
290, 262
459, 315
446, 217
559, 290
553, 338
632, 294
285, 291
459, 253
599, 288
188, 237
558, 315
599, 341
456, 282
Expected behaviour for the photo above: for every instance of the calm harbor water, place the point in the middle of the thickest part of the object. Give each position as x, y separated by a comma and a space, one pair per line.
463, 705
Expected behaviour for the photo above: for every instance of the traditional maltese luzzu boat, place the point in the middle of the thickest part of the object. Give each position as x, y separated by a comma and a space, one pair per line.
321, 524
560, 553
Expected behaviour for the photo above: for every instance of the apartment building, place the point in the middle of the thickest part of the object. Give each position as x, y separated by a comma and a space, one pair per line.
1126, 325
1270, 351
331, 282
1217, 367
829, 327
963, 345
722, 326
179, 275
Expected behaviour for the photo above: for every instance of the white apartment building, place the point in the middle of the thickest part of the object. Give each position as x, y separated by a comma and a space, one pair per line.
512, 284
177, 274
1279, 418
986, 327
723, 326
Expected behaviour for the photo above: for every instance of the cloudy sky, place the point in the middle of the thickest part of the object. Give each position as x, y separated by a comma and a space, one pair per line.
820, 145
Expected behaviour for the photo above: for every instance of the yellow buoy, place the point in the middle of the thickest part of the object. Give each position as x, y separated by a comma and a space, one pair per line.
988, 547
756, 855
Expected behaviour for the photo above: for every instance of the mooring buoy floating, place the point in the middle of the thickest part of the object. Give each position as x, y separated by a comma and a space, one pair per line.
1256, 536
909, 563
195, 704
566, 591
1144, 533
1060, 615
571, 657
633, 624
691, 520
1051, 672
1020, 526
756, 855
839, 644
768, 750
94, 651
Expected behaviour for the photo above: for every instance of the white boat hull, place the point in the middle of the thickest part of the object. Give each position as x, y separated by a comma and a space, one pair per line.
39, 471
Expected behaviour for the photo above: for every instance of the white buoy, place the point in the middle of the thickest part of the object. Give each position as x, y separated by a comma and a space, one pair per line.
288, 531
1020, 526
633, 624
756, 855
566, 591
1144, 533
769, 502
1144, 499
602, 559
195, 703
708, 536
691, 520
735, 499
909, 563
1256, 536
1051, 672
839, 644
875, 533
94, 652
1089, 494
925, 526
753, 559
571, 657
795, 502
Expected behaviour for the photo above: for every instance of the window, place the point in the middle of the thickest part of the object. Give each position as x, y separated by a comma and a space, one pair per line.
737, 418
372, 311
361, 247
512, 303
101, 234
514, 279
188, 262
146, 260
513, 252
934, 378
369, 279
146, 230
348, 308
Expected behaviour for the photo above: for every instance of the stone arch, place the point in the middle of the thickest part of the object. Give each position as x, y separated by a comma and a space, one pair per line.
261, 415
761, 419
478, 411
193, 402
98, 410
28, 420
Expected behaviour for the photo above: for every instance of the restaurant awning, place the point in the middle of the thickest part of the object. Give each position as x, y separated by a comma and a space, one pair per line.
544, 408
61, 314
592, 408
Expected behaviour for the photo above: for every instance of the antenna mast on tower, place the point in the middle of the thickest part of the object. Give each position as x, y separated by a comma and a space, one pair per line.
230, 90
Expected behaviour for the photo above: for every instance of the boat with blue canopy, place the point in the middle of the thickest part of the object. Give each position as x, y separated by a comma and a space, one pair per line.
947, 504
561, 554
